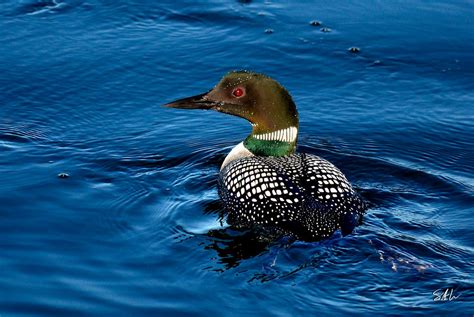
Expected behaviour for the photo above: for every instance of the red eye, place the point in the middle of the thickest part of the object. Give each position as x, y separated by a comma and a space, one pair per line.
238, 92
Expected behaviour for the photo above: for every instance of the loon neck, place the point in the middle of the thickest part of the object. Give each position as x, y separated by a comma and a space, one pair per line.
275, 143
272, 143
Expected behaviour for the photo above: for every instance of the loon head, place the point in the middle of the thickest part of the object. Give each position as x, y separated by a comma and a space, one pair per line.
262, 101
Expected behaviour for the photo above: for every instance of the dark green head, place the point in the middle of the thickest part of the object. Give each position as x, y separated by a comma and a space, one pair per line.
260, 100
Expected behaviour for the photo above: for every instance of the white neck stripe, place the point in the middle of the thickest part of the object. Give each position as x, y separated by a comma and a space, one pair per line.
283, 135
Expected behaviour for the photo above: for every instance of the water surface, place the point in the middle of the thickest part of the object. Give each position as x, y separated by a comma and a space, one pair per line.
135, 229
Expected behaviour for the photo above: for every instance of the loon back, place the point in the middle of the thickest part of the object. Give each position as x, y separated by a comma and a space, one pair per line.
301, 194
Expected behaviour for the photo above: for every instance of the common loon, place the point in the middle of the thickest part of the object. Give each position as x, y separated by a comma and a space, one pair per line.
263, 182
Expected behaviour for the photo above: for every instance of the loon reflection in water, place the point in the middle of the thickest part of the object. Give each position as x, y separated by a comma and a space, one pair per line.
263, 183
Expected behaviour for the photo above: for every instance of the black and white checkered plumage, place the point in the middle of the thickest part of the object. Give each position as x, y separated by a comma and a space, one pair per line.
300, 194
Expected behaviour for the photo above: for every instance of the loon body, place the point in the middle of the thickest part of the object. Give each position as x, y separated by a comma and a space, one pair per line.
263, 182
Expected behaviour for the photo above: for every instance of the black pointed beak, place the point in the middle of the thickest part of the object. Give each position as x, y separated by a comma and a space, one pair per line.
195, 102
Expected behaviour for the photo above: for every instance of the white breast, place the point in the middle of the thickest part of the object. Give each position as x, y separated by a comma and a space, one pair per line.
239, 151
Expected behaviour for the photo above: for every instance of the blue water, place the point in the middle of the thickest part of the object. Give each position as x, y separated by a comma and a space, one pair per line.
135, 228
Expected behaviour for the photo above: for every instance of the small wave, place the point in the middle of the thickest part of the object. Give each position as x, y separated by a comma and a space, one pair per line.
20, 134
41, 6
218, 16
397, 259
